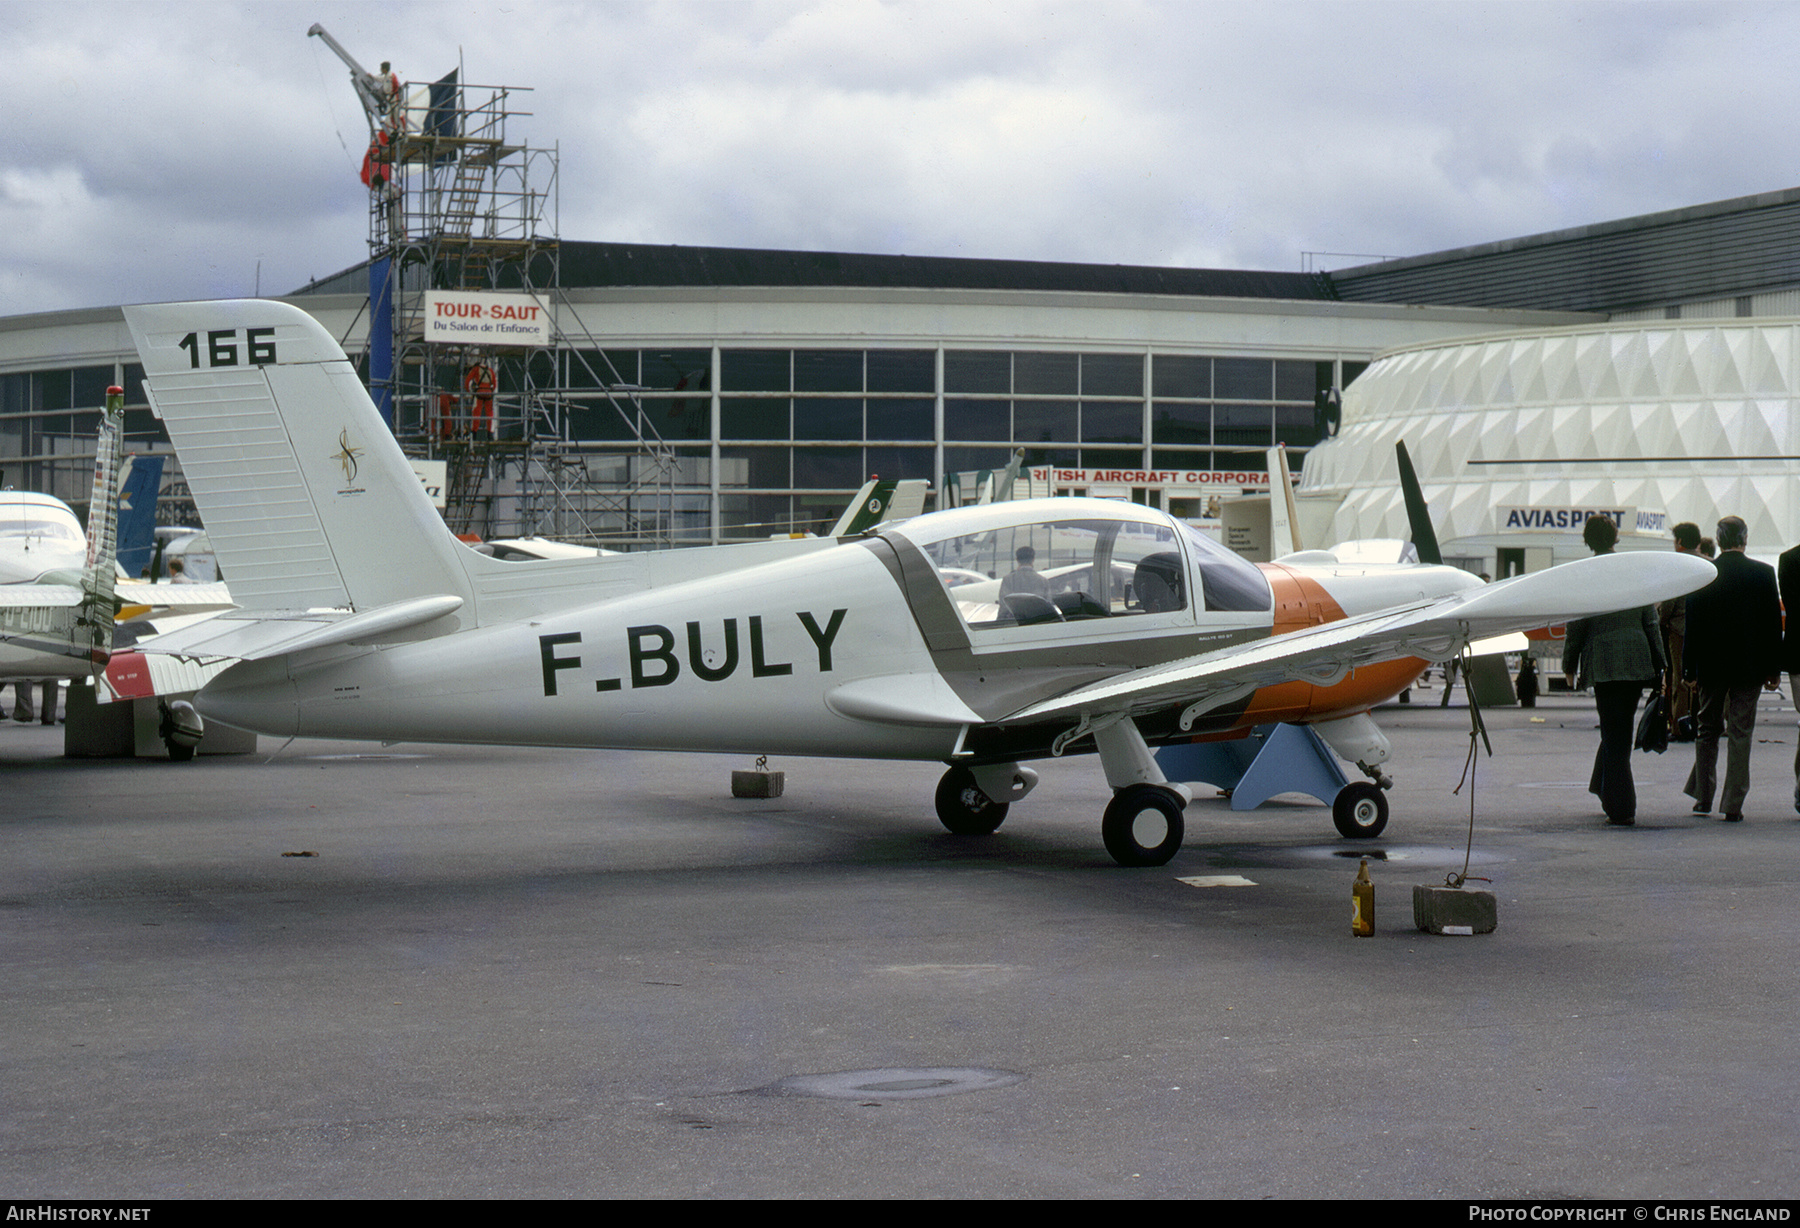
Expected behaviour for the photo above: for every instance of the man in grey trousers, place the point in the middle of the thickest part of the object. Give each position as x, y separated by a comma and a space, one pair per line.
1733, 649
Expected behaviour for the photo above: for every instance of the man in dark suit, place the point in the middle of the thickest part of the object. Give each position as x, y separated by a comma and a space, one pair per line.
1679, 699
1734, 650
1789, 573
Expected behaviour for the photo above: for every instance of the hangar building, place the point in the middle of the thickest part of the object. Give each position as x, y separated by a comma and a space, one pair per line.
774, 382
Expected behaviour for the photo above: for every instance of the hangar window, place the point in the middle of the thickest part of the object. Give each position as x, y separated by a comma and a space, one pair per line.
756, 371
1176, 423
744, 418
1112, 421
1045, 421
975, 420
900, 419
1047, 374
828, 371
828, 418
977, 371
1112, 375
1247, 379
1179, 375
827, 468
903, 371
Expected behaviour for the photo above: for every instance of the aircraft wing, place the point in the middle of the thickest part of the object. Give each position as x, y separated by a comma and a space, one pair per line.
1429, 630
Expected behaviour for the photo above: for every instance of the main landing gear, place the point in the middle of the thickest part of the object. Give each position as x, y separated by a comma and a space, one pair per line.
180, 728
964, 809
1142, 825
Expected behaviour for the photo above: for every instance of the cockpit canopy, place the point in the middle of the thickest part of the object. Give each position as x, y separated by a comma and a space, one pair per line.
1073, 560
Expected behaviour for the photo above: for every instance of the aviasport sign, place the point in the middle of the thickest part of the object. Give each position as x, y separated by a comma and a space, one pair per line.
1551, 518
479, 317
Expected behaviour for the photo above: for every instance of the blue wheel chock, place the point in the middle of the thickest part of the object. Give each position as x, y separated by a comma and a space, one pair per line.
1273, 759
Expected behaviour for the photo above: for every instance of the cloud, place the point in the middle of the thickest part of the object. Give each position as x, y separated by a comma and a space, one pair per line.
160, 151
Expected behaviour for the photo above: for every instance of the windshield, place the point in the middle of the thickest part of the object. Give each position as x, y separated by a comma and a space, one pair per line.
1231, 581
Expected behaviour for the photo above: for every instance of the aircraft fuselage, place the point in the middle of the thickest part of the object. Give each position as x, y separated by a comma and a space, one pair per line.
818, 655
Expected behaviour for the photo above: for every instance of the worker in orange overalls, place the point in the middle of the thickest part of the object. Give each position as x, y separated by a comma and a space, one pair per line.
479, 379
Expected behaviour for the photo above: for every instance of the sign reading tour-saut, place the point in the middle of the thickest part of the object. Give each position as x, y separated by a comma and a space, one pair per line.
483, 318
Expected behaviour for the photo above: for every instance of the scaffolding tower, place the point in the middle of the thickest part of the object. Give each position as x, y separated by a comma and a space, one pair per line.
458, 204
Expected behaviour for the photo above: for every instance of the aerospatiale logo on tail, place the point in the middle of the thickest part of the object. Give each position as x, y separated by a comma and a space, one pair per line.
346, 456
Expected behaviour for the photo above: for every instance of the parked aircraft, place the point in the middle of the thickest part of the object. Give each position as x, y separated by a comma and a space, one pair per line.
38, 533
1112, 627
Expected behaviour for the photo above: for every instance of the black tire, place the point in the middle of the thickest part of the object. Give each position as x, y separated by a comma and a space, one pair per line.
177, 752
1135, 817
964, 809
1360, 811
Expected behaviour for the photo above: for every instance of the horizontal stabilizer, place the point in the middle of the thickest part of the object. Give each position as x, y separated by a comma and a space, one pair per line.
246, 636
132, 675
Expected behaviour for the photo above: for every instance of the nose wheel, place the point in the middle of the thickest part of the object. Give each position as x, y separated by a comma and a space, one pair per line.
1142, 826
1360, 811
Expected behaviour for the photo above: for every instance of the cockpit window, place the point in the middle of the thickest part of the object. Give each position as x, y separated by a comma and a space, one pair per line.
44, 525
1061, 571
1231, 581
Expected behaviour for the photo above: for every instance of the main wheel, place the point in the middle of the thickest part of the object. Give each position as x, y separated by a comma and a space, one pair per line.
964, 808
1360, 811
180, 728
1142, 826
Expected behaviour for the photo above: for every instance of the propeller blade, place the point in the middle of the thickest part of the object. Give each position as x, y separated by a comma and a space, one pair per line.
1417, 514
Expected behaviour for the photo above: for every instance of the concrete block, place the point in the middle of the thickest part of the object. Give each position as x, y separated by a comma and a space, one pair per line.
95, 730
1454, 910
758, 783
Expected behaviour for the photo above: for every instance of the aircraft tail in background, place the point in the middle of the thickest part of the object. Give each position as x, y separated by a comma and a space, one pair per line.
137, 513
69, 613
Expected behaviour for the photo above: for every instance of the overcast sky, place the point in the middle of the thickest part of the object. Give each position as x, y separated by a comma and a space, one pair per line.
161, 151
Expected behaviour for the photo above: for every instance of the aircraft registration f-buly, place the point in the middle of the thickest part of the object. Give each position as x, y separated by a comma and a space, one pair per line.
979, 637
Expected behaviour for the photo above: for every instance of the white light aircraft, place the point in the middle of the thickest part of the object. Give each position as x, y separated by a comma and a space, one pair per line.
1095, 625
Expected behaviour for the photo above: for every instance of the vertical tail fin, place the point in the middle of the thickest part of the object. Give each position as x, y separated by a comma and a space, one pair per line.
137, 513
306, 496
94, 621
1284, 518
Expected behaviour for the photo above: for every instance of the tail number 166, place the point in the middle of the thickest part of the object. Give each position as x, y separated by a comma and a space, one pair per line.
222, 347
